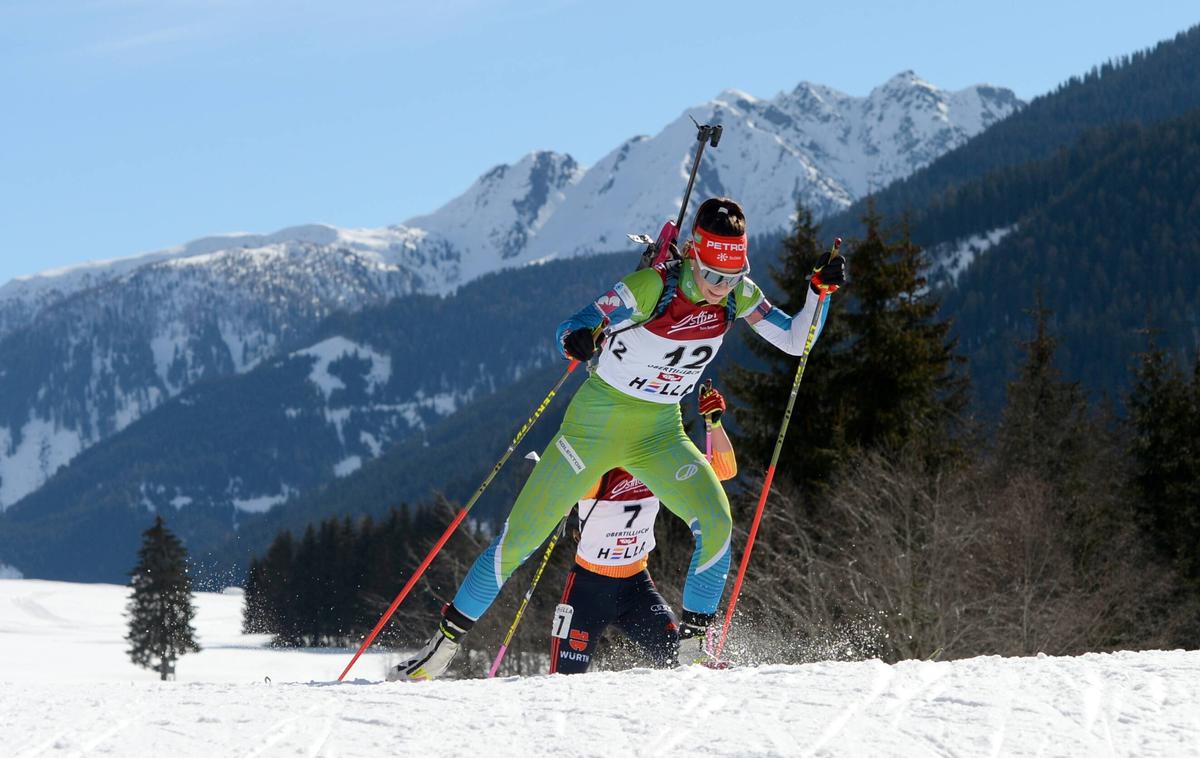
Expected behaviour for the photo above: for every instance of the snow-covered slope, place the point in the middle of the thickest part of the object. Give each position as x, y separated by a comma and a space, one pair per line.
96, 361
814, 145
70, 689
112, 342
494, 221
491, 222
23, 298
950, 259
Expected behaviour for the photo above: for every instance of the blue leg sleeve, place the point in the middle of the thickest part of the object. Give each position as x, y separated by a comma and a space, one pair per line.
483, 581
705, 583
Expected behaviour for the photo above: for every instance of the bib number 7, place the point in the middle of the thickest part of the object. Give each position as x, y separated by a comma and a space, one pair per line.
561, 626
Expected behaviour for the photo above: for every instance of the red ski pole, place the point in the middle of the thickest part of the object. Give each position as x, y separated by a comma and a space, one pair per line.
457, 520
822, 304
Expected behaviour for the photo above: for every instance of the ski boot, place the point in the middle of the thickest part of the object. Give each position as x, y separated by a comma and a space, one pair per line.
697, 641
435, 657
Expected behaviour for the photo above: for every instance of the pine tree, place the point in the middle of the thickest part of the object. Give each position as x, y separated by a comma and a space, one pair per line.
160, 608
305, 577
883, 373
278, 590
812, 445
900, 375
1044, 425
1048, 433
1164, 410
254, 611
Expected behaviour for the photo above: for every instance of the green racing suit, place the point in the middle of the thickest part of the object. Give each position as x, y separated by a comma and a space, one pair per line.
627, 415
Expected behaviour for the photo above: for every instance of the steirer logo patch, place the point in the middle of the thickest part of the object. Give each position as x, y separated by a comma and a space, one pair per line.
573, 460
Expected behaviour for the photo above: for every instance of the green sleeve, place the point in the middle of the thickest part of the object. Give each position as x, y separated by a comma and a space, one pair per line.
747, 297
644, 288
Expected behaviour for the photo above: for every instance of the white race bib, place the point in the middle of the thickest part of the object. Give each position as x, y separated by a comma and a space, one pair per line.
617, 532
662, 359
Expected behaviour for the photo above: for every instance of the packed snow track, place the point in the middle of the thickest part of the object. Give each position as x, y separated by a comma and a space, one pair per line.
69, 690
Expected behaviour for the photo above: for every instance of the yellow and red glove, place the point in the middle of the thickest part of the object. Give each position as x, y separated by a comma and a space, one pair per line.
712, 404
828, 274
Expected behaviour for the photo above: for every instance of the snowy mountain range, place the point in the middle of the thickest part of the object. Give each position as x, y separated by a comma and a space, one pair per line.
813, 144
86, 351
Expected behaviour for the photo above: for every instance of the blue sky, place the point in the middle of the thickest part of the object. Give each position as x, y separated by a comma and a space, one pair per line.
131, 125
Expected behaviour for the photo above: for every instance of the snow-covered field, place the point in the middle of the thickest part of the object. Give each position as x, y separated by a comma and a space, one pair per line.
67, 688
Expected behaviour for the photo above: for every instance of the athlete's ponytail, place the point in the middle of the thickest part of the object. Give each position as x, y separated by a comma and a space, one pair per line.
721, 216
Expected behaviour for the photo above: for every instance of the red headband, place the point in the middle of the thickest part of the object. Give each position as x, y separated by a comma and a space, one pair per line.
720, 252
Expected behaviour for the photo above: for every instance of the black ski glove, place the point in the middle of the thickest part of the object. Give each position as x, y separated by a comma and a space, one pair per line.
828, 274
580, 344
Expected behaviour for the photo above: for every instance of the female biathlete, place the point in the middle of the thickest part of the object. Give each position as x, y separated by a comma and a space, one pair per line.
610, 583
661, 325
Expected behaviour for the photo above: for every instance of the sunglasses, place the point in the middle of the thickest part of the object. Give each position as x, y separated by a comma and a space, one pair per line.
719, 278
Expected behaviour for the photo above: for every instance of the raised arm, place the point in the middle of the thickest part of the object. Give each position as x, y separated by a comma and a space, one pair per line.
790, 333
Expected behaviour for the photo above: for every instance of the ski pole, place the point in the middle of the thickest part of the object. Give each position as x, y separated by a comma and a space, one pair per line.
458, 519
822, 305
562, 527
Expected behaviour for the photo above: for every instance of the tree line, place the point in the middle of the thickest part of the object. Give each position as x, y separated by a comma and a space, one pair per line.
900, 525
1106, 230
903, 526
